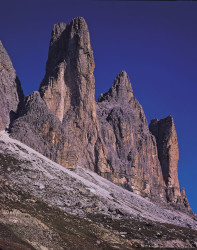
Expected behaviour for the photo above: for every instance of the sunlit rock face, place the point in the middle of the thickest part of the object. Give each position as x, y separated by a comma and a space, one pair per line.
131, 159
10, 89
69, 83
168, 153
63, 119
111, 136
68, 88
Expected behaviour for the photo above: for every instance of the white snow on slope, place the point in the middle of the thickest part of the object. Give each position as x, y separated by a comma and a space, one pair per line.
81, 191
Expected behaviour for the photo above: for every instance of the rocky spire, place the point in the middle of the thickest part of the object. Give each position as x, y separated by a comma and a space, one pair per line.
111, 136
131, 159
10, 89
168, 150
69, 80
168, 153
120, 90
68, 87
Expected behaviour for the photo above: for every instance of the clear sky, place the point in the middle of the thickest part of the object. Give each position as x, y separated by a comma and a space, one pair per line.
155, 42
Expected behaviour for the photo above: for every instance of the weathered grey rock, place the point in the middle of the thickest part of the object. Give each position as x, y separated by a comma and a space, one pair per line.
168, 153
131, 159
68, 88
121, 91
111, 137
39, 128
36, 126
62, 125
42, 204
10, 89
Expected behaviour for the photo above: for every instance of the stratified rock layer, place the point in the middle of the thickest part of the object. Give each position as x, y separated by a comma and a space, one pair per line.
10, 89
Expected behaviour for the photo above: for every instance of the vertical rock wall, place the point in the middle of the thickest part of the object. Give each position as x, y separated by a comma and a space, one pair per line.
68, 88
111, 137
10, 89
168, 153
131, 157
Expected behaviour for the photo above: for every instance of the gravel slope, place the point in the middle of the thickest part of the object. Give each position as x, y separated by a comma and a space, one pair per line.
88, 196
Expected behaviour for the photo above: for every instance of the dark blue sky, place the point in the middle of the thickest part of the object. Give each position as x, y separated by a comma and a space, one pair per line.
155, 42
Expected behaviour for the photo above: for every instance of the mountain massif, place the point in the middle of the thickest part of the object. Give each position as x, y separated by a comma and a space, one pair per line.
110, 136
124, 189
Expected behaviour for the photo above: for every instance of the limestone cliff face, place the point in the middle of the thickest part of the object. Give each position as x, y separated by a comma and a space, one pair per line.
62, 118
10, 89
168, 153
68, 88
38, 127
111, 137
131, 159
69, 83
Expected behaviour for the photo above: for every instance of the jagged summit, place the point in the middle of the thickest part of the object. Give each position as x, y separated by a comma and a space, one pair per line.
63, 122
167, 144
78, 24
168, 153
121, 89
109, 138
57, 32
68, 90
69, 75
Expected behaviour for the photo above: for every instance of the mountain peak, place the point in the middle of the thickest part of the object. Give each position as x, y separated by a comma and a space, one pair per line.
122, 81
111, 137
120, 90
77, 24
168, 151
70, 64
79, 20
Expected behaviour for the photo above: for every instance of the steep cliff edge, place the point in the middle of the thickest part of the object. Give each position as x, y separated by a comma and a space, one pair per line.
131, 149
111, 137
10, 89
38, 127
168, 153
68, 88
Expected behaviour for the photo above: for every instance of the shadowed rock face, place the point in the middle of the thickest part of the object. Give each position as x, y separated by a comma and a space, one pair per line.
10, 89
69, 83
168, 153
111, 137
68, 88
37, 127
120, 91
62, 124
131, 159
